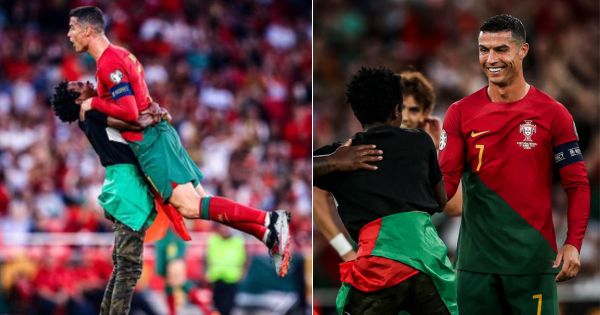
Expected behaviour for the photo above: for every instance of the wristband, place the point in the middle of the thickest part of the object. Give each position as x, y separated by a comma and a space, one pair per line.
341, 244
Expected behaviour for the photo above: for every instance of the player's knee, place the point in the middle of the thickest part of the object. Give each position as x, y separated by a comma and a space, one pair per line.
186, 200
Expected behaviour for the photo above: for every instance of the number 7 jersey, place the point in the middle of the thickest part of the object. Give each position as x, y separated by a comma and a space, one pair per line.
506, 154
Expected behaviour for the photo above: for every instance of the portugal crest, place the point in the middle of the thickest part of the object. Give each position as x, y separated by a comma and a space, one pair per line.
528, 130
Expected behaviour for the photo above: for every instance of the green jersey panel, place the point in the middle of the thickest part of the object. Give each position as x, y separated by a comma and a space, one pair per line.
494, 238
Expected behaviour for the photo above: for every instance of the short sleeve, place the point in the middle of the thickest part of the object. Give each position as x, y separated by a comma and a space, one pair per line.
452, 146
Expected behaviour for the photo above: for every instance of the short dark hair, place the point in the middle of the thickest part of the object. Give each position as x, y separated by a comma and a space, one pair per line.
505, 22
63, 103
416, 84
89, 14
373, 94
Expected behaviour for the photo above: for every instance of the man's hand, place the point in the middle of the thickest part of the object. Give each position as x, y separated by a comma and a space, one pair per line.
347, 158
153, 115
569, 255
351, 158
86, 105
165, 115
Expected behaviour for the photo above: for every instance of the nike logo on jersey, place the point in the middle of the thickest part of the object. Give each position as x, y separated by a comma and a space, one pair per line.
477, 134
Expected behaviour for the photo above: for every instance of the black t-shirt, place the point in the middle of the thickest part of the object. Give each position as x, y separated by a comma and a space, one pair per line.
106, 141
404, 181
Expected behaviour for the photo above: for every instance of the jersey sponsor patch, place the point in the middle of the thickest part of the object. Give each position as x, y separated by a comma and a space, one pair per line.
120, 90
567, 153
443, 139
116, 76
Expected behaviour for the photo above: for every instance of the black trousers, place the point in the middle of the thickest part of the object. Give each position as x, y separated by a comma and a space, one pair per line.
416, 295
224, 296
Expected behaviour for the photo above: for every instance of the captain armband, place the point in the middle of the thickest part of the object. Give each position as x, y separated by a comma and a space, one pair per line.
120, 90
566, 154
341, 244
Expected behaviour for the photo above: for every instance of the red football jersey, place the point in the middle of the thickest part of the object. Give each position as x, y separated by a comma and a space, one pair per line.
505, 153
122, 90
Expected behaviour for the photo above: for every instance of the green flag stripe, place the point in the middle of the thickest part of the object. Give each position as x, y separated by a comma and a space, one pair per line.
411, 238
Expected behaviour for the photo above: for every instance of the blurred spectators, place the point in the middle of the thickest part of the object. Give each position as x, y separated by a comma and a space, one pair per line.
439, 38
235, 75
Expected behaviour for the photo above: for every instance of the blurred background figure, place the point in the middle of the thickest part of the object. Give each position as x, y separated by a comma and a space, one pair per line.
235, 75
436, 38
225, 266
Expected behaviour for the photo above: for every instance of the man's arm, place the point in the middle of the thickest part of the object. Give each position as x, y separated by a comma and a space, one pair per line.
433, 127
573, 177
453, 207
323, 209
123, 125
440, 194
151, 116
452, 151
347, 158
574, 180
436, 180
122, 104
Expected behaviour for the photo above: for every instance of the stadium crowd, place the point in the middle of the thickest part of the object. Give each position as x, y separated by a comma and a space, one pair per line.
438, 37
235, 76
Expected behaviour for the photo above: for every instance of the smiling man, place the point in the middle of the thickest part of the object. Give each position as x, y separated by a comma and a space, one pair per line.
506, 140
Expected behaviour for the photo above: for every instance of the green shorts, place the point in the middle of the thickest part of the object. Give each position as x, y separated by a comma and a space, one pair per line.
482, 293
164, 160
125, 196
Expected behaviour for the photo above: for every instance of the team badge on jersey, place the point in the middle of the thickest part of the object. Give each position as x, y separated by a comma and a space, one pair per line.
528, 130
443, 139
116, 76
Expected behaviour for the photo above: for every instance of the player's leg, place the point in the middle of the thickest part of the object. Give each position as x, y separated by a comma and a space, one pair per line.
531, 294
479, 293
176, 177
129, 251
272, 228
165, 161
193, 203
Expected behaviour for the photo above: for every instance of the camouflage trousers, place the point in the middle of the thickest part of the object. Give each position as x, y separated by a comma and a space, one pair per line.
127, 269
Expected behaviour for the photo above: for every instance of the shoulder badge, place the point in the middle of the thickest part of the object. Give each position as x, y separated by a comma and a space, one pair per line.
116, 76
443, 139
